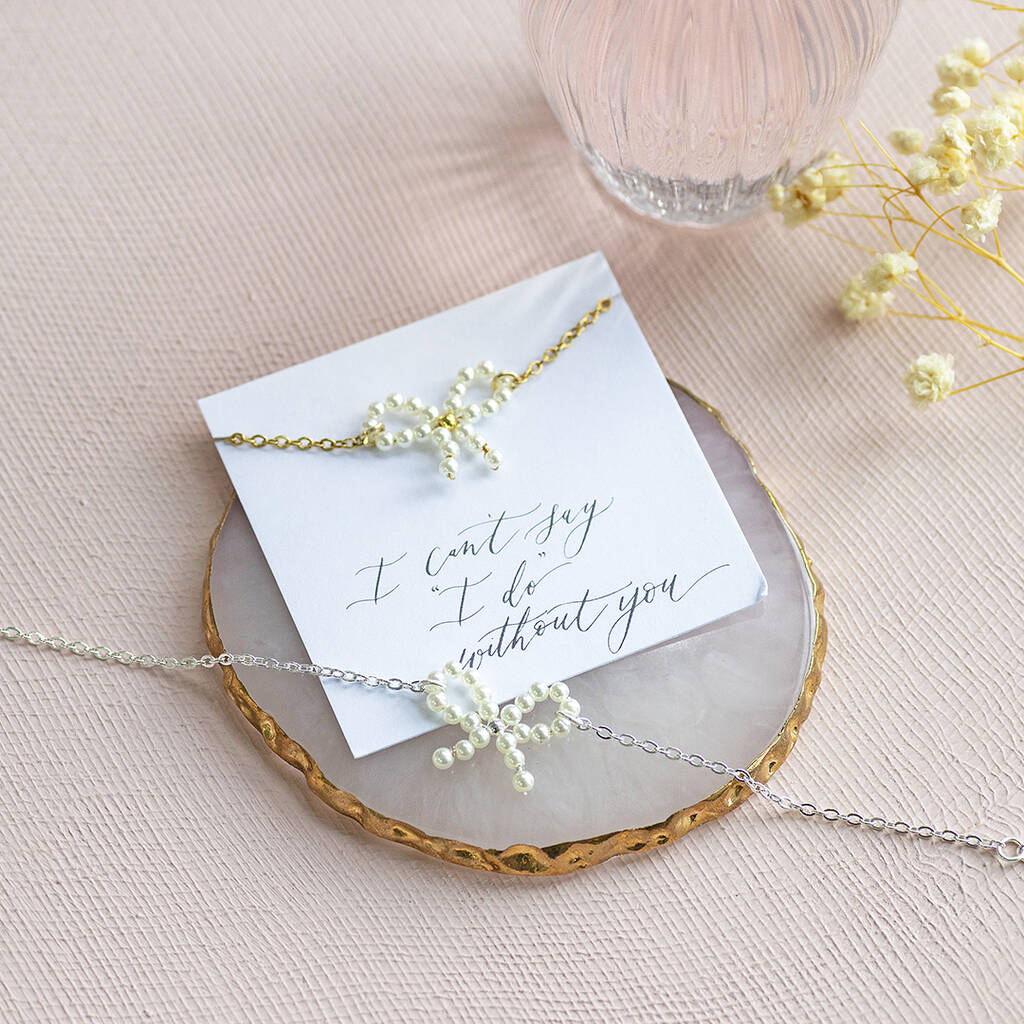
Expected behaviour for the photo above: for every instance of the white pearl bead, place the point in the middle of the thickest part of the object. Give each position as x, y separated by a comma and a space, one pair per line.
440, 435
475, 443
489, 408
414, 405
523, 781
431, 412
511, 715
470, 722
463, 433
525, 703
480, 694
472, 412
385, 441
515, 759
421, 431
376, 410
540, 734
471, 677
453, 714
560, 726
538, 691
505, 742
453, 404
488, 710
464, 750
558, 692
502, 395
435, 677
521, 732
394, 400
371, 424
429, 688
437, 703
570, 707
485, 368
449, 450
451, 668
466, 374
458, 388
493, 458
480, 737
404, 438
443, 758
449, 467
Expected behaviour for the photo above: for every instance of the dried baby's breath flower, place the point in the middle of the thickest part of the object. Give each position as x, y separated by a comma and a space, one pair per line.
923, 171
981, 216
1014, 69
950, 149
805, 199
907, 211
907, 140
952, 134
1011, 104
835, 175
930, 379
857, 301
956, 70
975, 50
887, 270
810, 191
950, 100
995, 141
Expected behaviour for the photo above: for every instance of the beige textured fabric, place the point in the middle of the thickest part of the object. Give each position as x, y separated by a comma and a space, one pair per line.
192, 194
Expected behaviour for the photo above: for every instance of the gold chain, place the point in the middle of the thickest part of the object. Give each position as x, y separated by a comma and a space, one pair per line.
551, 354
365, 438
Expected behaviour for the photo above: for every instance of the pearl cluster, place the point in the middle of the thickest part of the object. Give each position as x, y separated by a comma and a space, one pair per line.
505, 724
448, 427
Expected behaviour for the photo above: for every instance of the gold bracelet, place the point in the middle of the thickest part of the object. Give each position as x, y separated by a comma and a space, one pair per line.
447, 427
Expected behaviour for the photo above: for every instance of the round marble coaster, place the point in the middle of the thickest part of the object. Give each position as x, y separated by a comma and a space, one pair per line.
736, 691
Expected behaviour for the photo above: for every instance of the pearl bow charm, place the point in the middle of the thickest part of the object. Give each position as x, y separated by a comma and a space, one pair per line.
505, 724
446, 428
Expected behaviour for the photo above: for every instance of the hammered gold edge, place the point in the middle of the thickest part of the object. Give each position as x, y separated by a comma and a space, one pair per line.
523, 858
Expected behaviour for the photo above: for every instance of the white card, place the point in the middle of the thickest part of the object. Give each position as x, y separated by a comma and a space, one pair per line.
603, 533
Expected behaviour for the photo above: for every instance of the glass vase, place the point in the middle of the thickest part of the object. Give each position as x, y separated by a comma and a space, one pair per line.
687, 110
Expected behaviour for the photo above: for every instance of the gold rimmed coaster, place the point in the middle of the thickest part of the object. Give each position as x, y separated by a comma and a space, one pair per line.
542, 857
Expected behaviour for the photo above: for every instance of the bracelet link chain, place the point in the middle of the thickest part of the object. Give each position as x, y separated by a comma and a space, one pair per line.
1009, 850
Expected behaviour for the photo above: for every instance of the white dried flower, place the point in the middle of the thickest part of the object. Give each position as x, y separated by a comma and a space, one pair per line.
981, 216
956, 70
1014, 69
835, 175
1012, 105
975, 50
950, 100
859, 302
906, 140
887, 270
950, 150
803, 200
952, 134
929, 379
995, 141
923, 170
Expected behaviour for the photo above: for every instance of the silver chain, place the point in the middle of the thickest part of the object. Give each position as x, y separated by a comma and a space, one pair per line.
1010, 850
84, 650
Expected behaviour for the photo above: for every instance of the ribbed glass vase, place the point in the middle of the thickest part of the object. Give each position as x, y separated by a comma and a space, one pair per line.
687, 110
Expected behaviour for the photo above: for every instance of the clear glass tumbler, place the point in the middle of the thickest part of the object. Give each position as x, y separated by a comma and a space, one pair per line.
687, 110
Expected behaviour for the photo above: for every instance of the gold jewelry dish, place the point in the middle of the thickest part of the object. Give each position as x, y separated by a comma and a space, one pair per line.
762, 747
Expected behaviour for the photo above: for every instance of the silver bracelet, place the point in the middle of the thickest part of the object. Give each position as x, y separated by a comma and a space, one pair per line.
1009, 850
